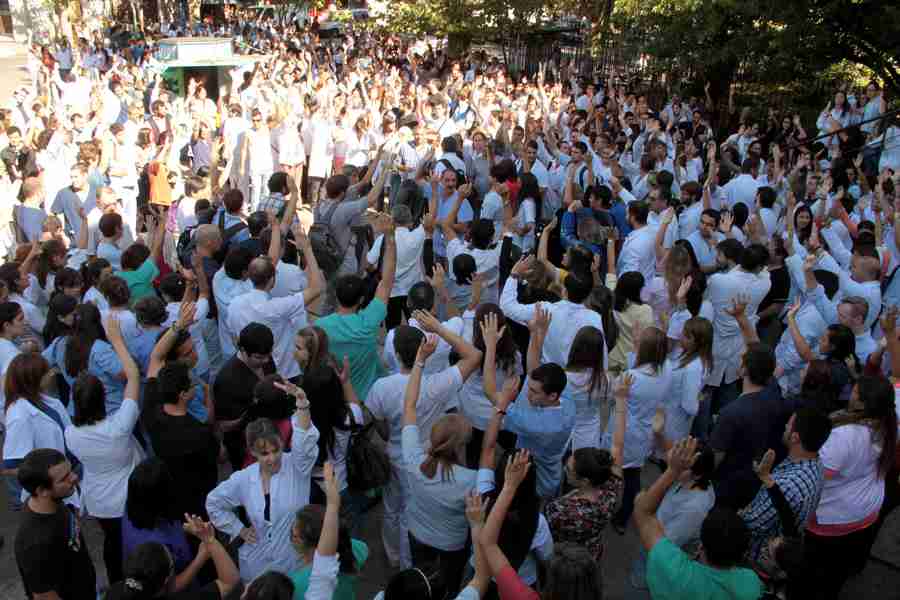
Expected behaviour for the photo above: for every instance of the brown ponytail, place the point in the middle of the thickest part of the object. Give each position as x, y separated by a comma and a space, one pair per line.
448, 439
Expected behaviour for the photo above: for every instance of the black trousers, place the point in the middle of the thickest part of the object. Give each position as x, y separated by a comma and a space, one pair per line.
632, 481
838, 558
112, 548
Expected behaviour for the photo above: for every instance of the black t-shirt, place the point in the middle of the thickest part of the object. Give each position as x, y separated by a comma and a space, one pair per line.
781, 287
188, 447
209, 591
233, 388
746, 428
52, 555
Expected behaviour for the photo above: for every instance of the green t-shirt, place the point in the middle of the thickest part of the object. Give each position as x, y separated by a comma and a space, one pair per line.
140, 282
356, 337
673, 575
346, 583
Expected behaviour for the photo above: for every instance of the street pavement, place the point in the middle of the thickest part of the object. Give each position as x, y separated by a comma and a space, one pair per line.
620, 550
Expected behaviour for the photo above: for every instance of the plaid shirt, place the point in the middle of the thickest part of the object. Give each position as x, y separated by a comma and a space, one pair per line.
801, 483
274, 202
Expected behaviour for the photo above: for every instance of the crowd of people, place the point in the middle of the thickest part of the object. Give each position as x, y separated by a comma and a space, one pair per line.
496, 305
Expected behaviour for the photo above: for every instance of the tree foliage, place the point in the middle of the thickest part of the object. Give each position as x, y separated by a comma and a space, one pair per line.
767, 40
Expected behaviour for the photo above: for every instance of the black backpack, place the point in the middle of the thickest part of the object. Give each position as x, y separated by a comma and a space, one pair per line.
186, 246
324, 244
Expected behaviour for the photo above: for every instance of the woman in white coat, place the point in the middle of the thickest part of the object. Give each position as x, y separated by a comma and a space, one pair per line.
33, 419
687, 370
107, 448
271, 491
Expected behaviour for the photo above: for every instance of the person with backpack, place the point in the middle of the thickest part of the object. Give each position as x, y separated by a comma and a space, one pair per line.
230, 221
331, 234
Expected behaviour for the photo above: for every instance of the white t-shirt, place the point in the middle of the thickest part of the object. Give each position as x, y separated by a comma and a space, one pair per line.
409, 254
855, 490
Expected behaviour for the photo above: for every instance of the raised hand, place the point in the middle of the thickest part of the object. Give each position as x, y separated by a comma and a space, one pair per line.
658, 425
427, 321
541, 321
516, 470
623, 387
684, 288
889, 321
476, 509
489, 330
763, 467
426, 348
682, 455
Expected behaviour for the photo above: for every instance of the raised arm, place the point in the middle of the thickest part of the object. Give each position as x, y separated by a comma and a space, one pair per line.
167, 341
680, 458
427, 346
538, 327
132, 373
800, 343
470, 356
389, 262
315, 279
516, 470
623, 389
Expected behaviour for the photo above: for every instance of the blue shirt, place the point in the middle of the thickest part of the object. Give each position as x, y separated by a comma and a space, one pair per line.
543, 431
103, 363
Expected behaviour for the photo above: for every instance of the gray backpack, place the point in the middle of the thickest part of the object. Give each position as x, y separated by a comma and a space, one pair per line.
325, 246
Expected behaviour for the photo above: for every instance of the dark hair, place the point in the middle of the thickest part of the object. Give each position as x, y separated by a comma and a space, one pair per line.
311, 519
24, 376
593, 464
759, 363
67, 278
134, 256
420, 296
270, 402
60, 306
109, 224
552, 378
256, 338
172, 286
531, 189
725, 537
578, 287
350, 290
731, 249
521, 522
9, 274
233, 201
587, 352
91, 271
278, 182
754, 257
639, 212
414, 583
336, 185
506, 346
703, 466
8, 313
812, 427
115, 290
818, 388
150, 311
271, 585
88, 328
573, 574
150, 489
653, 350
766, 196
406, 344
174, 378
878, 412
34, 470
49, 249
843, 345
481, 232
464, 268
803, 233
89, 397
238, 260
328, 408
149, 567
628, 290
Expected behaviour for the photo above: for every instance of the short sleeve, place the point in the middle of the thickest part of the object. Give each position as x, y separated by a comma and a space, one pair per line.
439, 387
374, 314
148, 271
104, 358
484, 481
465, 214
837, 449
667, 567
18, 441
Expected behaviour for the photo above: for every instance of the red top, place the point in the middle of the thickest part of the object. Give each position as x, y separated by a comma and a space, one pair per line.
511, 587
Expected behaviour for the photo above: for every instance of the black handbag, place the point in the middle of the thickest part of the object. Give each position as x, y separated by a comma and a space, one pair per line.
368, 466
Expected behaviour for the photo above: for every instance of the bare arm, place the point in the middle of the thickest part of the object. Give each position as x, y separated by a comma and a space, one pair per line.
313, 272
388, 263
470, 356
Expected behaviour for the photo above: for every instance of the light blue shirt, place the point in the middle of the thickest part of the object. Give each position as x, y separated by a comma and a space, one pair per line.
683, 400
436, 507
811, 326
706, 254
465, 215
103, 363
545, 432
648, 391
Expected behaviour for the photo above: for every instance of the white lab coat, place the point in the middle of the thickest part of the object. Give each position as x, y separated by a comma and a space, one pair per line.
109, 453
288, 493
283, 316
319, 145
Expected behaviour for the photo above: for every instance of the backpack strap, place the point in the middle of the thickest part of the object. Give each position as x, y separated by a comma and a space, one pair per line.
231, 231
328, 215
